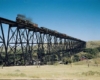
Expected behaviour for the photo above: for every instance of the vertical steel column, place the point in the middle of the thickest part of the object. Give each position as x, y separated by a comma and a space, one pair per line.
69, 47
51, 47
47, 36
65, 43
23, 41
58, 52
16, 46
42, 46
52, 44
55, 43
29, 47
47, 48
60, 44
38, 44
29, 52
11, 45
3, 45
31, 44
74, 46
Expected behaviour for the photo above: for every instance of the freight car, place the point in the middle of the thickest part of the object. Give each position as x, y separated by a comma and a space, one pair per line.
46, 30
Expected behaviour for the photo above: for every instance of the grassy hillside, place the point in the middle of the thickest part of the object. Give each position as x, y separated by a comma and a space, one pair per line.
93, 61
92, 44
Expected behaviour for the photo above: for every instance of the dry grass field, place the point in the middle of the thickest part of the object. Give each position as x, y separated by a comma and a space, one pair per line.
58, 72
78, 70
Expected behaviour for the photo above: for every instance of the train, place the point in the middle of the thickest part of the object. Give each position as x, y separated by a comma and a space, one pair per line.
21, 19
49, 30
46, 29
54, 32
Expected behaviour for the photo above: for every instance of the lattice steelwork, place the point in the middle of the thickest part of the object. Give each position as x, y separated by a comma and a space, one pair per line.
24, 41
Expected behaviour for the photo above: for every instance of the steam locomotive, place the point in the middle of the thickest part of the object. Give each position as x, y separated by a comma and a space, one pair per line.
21, 19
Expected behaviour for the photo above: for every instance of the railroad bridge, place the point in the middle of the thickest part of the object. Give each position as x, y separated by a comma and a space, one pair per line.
24, 41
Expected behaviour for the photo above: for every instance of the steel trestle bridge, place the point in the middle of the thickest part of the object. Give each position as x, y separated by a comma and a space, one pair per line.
23, 41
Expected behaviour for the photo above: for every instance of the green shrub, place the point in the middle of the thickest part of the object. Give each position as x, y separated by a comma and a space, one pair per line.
89, 56
66, 60
76, 58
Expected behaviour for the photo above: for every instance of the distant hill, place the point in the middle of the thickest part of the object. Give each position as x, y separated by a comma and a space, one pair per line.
92, 44
91, 62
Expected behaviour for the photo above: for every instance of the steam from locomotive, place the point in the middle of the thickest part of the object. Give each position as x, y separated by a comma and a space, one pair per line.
22, 19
